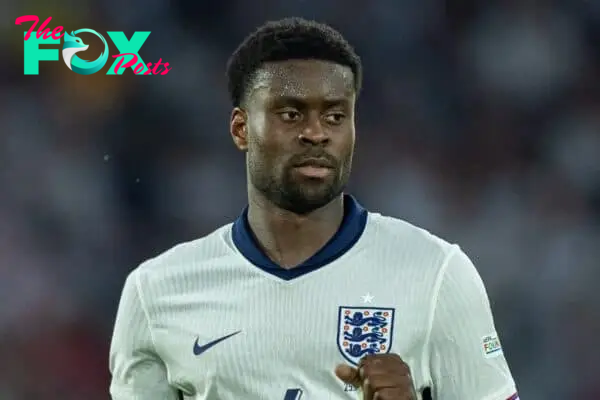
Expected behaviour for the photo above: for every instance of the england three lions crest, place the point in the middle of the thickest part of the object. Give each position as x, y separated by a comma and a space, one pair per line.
363, 331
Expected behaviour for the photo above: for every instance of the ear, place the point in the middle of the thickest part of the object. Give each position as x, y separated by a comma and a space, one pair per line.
238, 127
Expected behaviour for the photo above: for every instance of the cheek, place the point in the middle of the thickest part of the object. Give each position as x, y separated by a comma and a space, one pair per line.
267, 138
265, 146
267, 153
351, 140
347, 144
258, 123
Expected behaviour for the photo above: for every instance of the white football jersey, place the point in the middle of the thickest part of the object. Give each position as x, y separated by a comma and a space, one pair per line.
215, 319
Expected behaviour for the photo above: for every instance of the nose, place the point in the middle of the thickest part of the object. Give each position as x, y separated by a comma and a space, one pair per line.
313, 134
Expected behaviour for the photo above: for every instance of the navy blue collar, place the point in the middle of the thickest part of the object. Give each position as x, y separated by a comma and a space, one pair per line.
351, 229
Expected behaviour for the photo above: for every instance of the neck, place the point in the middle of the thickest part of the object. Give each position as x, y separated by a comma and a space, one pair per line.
290, 239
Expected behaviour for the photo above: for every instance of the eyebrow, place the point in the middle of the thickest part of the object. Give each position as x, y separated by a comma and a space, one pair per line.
300, 101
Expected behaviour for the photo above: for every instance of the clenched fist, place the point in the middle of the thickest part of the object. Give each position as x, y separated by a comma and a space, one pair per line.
381, 377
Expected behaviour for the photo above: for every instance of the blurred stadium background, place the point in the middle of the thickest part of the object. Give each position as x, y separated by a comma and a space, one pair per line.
479, 121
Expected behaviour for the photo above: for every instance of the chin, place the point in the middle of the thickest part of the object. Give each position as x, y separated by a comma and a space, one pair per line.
307, 198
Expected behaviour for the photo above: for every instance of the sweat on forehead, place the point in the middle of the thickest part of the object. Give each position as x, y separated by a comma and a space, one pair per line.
302, 78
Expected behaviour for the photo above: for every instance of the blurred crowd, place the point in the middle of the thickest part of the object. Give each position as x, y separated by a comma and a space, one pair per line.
479, 121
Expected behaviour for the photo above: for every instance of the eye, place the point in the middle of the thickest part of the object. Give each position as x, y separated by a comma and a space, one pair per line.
335, 118
290, 115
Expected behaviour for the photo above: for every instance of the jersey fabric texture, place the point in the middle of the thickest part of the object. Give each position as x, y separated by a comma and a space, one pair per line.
215, 319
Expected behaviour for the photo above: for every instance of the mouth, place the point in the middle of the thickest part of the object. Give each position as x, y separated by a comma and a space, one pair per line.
316, 168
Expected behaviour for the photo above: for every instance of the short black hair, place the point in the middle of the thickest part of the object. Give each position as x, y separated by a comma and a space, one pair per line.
288, 39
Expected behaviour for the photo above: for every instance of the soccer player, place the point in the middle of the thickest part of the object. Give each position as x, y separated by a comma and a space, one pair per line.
307, 294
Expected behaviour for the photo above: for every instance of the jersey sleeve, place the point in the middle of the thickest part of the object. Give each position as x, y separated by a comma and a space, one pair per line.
137, 372
465, 355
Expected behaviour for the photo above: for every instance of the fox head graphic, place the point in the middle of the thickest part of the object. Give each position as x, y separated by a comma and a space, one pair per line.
72, 45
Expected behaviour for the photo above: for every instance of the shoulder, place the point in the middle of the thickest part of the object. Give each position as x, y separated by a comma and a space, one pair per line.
406, 254
444, 262
406, 238
183, 259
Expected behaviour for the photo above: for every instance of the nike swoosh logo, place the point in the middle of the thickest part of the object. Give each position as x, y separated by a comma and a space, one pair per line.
201, 349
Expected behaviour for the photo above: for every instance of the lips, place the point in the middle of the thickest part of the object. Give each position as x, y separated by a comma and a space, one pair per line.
315, 168
315, 162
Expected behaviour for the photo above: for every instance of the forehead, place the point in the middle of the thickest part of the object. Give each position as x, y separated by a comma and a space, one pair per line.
303, 79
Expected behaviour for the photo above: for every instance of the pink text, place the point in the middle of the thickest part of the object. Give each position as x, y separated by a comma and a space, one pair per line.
138, 69
42, 30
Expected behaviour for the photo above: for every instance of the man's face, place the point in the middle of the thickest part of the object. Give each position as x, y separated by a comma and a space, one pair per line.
300, 132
